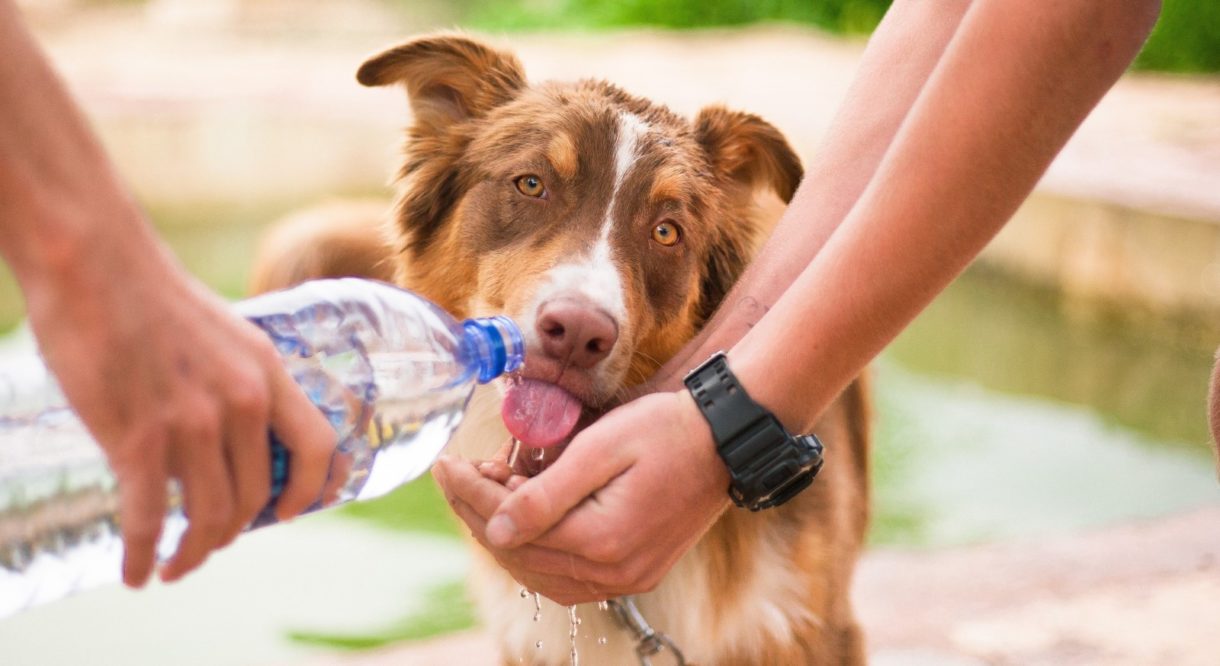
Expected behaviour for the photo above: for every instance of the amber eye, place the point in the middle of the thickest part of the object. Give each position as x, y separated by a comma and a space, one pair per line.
667, 234
530, 185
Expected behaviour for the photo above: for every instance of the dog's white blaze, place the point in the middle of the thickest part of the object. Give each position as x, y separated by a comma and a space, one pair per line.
631, 128
595, 275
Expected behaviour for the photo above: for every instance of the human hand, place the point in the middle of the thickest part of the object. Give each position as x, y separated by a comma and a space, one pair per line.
173, 385
630, 495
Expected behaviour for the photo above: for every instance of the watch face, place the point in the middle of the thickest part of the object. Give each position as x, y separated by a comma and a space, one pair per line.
790, 472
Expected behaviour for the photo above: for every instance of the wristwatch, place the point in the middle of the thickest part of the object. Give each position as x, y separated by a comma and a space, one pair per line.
768, 465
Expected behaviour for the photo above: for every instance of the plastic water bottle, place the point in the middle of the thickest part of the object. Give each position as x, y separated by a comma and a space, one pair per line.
390, 371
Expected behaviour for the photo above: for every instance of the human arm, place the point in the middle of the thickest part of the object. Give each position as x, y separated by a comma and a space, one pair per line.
170, 383
1014, 82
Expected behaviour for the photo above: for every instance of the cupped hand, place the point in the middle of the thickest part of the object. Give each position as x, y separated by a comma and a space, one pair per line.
173, 385
630, 495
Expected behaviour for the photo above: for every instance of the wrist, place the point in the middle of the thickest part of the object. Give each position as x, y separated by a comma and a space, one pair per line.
775, 396
767, 465
705, 456
65, 253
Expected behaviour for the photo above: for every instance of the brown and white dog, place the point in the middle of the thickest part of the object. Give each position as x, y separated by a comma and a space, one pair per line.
609, 228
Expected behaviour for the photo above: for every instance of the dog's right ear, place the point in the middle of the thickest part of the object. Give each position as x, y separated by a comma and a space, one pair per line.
449, 78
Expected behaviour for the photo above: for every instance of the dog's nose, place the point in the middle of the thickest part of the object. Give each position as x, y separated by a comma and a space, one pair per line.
576, 332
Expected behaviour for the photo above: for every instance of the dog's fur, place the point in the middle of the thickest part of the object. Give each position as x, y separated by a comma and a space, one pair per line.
765, 588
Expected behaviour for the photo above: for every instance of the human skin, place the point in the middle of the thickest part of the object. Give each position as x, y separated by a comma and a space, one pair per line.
167, 379
919, 171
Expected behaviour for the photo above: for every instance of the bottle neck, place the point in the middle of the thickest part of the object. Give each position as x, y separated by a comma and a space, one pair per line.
497, 345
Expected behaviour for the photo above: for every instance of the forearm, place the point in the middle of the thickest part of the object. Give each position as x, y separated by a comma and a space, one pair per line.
1014, 83
54, 176
898, 60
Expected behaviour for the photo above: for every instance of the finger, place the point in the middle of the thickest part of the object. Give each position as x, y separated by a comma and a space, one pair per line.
496, 470
541, 567
197, 461
475, 499
531, 510
142, 506
310, 442
249, 463
506, 450
464, 482
336, 479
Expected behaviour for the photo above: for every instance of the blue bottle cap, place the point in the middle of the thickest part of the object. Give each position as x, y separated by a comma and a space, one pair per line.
498, 345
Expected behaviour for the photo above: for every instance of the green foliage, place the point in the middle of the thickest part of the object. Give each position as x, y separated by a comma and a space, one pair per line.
850, 16
446, 609
418, 506
1186, 38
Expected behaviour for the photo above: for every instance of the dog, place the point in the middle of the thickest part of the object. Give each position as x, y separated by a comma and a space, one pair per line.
609, 228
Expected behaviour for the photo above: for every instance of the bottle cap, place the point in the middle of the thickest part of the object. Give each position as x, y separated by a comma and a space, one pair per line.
498, 345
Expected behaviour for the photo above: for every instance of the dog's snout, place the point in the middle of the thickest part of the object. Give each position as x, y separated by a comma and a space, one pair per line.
576, 332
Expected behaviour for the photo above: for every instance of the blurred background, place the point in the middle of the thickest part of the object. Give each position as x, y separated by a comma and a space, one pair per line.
1045, 490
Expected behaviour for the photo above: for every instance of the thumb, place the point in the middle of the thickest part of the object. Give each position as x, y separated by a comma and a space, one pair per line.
537, 505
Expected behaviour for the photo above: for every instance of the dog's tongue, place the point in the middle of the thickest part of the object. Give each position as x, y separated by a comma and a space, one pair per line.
539, 414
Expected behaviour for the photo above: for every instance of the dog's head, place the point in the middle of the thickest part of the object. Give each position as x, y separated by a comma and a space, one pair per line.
607, 226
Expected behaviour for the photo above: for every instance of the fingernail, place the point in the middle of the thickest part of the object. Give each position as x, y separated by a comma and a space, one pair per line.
501, 531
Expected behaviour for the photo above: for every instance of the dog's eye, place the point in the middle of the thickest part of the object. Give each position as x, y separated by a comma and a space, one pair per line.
667, 233
530, 185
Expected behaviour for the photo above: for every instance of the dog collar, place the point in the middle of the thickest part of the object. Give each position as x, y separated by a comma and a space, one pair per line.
768, 466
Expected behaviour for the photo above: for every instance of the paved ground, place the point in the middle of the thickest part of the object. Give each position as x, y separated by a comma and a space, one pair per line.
1138, 595
249, 112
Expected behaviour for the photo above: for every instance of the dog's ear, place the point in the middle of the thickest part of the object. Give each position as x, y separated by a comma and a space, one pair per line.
748, 150
449, 78
747, 154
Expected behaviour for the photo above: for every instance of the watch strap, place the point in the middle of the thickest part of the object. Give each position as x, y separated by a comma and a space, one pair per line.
768, 466
729, 410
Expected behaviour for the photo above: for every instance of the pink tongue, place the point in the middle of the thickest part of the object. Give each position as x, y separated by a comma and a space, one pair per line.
539, 414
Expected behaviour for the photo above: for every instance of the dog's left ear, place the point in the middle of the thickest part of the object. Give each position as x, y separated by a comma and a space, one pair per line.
748, 150
449, 78
747, 154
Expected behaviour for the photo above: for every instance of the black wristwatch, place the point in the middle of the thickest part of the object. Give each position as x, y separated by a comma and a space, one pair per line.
768, 465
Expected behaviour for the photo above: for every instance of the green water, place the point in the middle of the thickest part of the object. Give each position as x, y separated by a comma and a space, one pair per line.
1006, 411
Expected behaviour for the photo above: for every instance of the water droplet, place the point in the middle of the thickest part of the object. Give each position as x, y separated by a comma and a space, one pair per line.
537, 607
537, 616
524, 593
601, 641
512, 456
538, 644
573, 622
603, 605
538, 454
